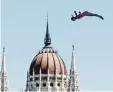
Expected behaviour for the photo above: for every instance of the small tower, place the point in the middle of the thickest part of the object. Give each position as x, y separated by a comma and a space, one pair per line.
73, 80
4, 81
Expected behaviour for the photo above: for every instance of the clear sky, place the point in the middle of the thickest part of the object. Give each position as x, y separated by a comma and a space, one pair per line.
23, 30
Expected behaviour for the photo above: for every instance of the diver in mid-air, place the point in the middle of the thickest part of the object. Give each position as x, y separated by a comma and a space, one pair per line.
85, 13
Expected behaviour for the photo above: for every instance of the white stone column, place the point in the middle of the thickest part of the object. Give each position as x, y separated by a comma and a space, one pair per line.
56, 81
33, 80
48, 83
40, 80
62, 84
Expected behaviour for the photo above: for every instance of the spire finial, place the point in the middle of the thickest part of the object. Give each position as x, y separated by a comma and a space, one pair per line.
73, 59
47, 40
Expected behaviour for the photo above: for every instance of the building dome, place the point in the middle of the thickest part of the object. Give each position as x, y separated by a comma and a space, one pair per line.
47, 71
48, 59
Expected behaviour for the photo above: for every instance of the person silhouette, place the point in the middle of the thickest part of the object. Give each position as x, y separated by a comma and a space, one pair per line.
85, 13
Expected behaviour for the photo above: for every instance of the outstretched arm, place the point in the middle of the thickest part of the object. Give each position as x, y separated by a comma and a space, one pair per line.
75, 13
80, 15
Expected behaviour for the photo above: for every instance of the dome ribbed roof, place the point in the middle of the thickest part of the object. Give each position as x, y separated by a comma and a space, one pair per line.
46, 59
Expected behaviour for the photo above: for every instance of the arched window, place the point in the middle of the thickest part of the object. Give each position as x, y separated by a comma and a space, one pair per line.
44, 84
58, 84
51, 84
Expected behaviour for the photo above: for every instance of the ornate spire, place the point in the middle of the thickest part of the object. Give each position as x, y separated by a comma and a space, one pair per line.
47, 40
3, 66
73, 59
4, 81
73, 81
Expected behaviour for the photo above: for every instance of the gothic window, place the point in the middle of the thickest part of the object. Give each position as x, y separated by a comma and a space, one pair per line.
58, 84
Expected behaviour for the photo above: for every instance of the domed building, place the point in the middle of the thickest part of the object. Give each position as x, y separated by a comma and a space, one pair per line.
47, 71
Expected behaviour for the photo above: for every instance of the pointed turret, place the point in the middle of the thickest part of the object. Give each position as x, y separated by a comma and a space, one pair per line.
3, 66
73, 60
73, 80
4, 81
47, 40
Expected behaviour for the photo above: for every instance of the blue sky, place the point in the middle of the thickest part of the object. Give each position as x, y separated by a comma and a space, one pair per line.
23, 26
